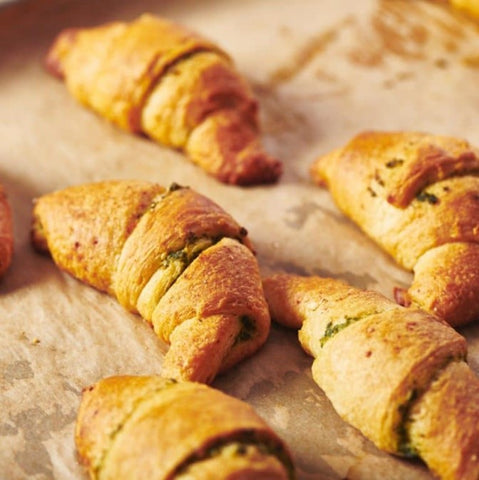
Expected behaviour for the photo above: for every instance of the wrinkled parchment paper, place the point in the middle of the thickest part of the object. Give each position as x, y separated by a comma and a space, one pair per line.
322, 71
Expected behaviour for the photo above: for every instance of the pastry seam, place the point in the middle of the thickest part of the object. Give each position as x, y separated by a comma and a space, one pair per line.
134, 120
97, 467
244, 437
405, 446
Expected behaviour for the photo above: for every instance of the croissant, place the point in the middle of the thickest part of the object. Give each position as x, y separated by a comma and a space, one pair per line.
6, 233
147, 427
396, 373
159, 79
416, 195
171, 255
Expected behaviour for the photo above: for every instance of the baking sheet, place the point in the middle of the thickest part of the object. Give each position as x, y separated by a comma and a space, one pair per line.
322, 71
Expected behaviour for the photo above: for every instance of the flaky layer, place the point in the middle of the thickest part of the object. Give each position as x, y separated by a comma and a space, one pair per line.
392, 354
450, 269
84, 228
190, 91
230, 148
414, 193
397, 374
238, 461
151, 428
173, 256
154, 77
443, 423
113, 67
214, 315
174, 229
294, 302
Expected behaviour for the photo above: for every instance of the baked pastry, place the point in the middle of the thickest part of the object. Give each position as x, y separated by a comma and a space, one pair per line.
171, 255
469, 7
157, 78
146, 427
397, 374
6, 233
416, 195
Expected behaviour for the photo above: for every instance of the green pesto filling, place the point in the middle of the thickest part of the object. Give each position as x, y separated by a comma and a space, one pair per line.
405, 444
177, 262
193, 247
172, 188
332, 329
395, 162
187, 254
248, 329
238, 446
427, 197
170, 266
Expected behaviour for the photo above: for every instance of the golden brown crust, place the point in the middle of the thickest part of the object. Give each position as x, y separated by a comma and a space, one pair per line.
128, 59
397, 165
138, 242
171, 222
85, 227
155, 77
410, 192
215, 311
161, 427
251, 464
228, 147
388, 370
6, 233
443, 423
106, 405
190, 91
452, 270
469, 7
293, 299
389, 354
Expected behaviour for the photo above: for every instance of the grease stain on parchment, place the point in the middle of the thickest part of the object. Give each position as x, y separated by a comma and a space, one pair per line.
396, 28
18, 370
282, 117
33, 424
405, 30
306, 54
36, 426
298, 215
330, 437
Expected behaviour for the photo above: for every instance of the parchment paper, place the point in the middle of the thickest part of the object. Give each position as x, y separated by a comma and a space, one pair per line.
322, 71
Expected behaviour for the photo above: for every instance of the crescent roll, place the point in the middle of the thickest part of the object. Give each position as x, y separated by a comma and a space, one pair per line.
397, 374
157, 78
171, 255
146, 427
416, 195
6, 233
